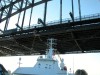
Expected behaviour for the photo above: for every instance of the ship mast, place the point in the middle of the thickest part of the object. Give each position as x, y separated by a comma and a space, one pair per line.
19, 63
51, 43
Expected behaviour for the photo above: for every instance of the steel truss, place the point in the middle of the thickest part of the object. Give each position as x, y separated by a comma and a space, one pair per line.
9, 8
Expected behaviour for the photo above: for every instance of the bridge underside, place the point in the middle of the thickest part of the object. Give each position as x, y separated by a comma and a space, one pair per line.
71, 38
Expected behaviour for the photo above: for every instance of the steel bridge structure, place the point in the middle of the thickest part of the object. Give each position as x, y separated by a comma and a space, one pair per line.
74, 35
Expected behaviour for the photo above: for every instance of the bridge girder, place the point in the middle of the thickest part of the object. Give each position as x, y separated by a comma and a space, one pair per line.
74, 37
16, 6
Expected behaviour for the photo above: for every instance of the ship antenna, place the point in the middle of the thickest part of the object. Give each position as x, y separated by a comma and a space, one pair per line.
73, 64
19, 63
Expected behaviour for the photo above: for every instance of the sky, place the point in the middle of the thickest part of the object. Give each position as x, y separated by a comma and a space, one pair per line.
88, 7
89, 61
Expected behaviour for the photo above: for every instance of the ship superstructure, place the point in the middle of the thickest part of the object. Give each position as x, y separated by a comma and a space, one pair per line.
46, 65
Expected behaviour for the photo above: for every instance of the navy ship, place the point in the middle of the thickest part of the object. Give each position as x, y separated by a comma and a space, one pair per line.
46, 65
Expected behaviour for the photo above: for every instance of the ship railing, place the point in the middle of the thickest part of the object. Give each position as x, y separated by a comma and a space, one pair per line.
66, 20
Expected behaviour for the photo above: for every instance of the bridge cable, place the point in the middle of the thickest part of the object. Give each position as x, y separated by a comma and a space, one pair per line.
31, 14
24, 14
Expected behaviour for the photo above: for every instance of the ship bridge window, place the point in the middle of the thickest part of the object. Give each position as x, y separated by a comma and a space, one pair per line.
39, 65
46, 66
49, 66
